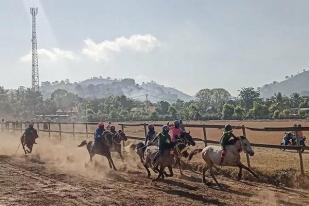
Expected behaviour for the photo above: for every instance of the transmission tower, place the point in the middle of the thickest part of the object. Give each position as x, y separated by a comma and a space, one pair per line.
35, 62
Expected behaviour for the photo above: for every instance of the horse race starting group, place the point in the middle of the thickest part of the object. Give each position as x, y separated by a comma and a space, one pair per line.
162, 150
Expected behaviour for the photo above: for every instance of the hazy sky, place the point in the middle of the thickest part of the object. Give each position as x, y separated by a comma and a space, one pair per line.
186, 44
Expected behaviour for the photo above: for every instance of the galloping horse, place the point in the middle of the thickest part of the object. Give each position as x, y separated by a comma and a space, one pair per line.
147, 153
181, 147
212, 156
104, 148
28, 140
165, 160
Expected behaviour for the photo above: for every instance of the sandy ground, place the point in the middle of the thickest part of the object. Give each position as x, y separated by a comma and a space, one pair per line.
59, 174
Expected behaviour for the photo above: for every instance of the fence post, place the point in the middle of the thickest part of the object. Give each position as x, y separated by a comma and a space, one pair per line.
87, 129
122, 128
244, 134
205, 135
145, 129
59, 126
21, 127
299, 152
38, 127
73, 129
49, 130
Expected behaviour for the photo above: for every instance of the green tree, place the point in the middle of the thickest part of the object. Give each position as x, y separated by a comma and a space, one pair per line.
227, 111
172, 111
162, 107
247, 96
239, 112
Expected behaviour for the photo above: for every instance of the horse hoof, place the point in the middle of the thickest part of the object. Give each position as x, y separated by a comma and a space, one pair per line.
208, 183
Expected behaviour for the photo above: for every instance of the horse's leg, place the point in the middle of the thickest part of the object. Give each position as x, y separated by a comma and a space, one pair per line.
30, 148
213, 177
205, 168
148, 171
91, 156
239, 173
178, 162
171, 172
119, 152
160, 174
111, 162
248, 169
22, 141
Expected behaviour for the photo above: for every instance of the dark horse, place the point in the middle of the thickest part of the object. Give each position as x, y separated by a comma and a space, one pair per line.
111, 142
182, 144
28, 140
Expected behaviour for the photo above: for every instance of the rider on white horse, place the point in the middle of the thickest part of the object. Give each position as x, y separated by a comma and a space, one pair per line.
228, 138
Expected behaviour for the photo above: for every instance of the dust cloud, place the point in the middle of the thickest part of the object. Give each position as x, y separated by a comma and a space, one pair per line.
66, 157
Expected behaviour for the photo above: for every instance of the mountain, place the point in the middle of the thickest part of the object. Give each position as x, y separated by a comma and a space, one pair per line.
104, 87
295, 83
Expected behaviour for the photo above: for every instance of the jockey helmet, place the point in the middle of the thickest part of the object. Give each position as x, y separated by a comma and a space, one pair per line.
151, 127
113, 129
228, 128
176, 124
165, 129
101, 125
31, 124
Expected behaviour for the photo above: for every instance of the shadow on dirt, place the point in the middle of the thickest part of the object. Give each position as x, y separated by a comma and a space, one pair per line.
189, 195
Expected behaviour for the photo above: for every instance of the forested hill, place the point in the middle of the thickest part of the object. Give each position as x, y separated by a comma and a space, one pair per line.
105, 87
292, 84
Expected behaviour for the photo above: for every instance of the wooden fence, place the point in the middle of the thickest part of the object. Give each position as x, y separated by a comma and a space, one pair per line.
46, 127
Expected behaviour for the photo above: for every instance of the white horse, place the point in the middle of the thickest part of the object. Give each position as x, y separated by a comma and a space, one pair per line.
212, 156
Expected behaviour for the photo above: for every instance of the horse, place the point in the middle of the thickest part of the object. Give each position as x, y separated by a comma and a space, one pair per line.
164, 160
27, 141
102, 148
115, 145
181, 148
212, 156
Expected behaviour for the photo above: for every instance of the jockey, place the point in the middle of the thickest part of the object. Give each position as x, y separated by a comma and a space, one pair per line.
176, 131
226, 139
30, 132
165, 141
98, 135
113, 129
150, 135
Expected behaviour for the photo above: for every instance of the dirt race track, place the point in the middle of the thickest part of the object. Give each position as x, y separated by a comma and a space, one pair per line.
58, 174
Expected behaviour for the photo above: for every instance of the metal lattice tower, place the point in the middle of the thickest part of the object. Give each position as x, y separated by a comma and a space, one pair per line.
35, 62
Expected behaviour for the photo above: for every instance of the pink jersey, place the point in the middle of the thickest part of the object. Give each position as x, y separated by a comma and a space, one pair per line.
176, 132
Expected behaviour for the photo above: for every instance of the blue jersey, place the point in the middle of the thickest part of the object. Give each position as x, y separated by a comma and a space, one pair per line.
98, 135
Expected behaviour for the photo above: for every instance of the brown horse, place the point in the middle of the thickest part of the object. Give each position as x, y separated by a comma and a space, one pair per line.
111, 142
158, 166
27, 141
181, 148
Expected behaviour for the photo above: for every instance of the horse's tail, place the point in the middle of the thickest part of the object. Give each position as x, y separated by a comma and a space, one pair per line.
83, 143
194, 152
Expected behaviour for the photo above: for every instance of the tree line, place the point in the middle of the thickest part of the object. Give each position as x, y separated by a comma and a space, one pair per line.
209, 104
